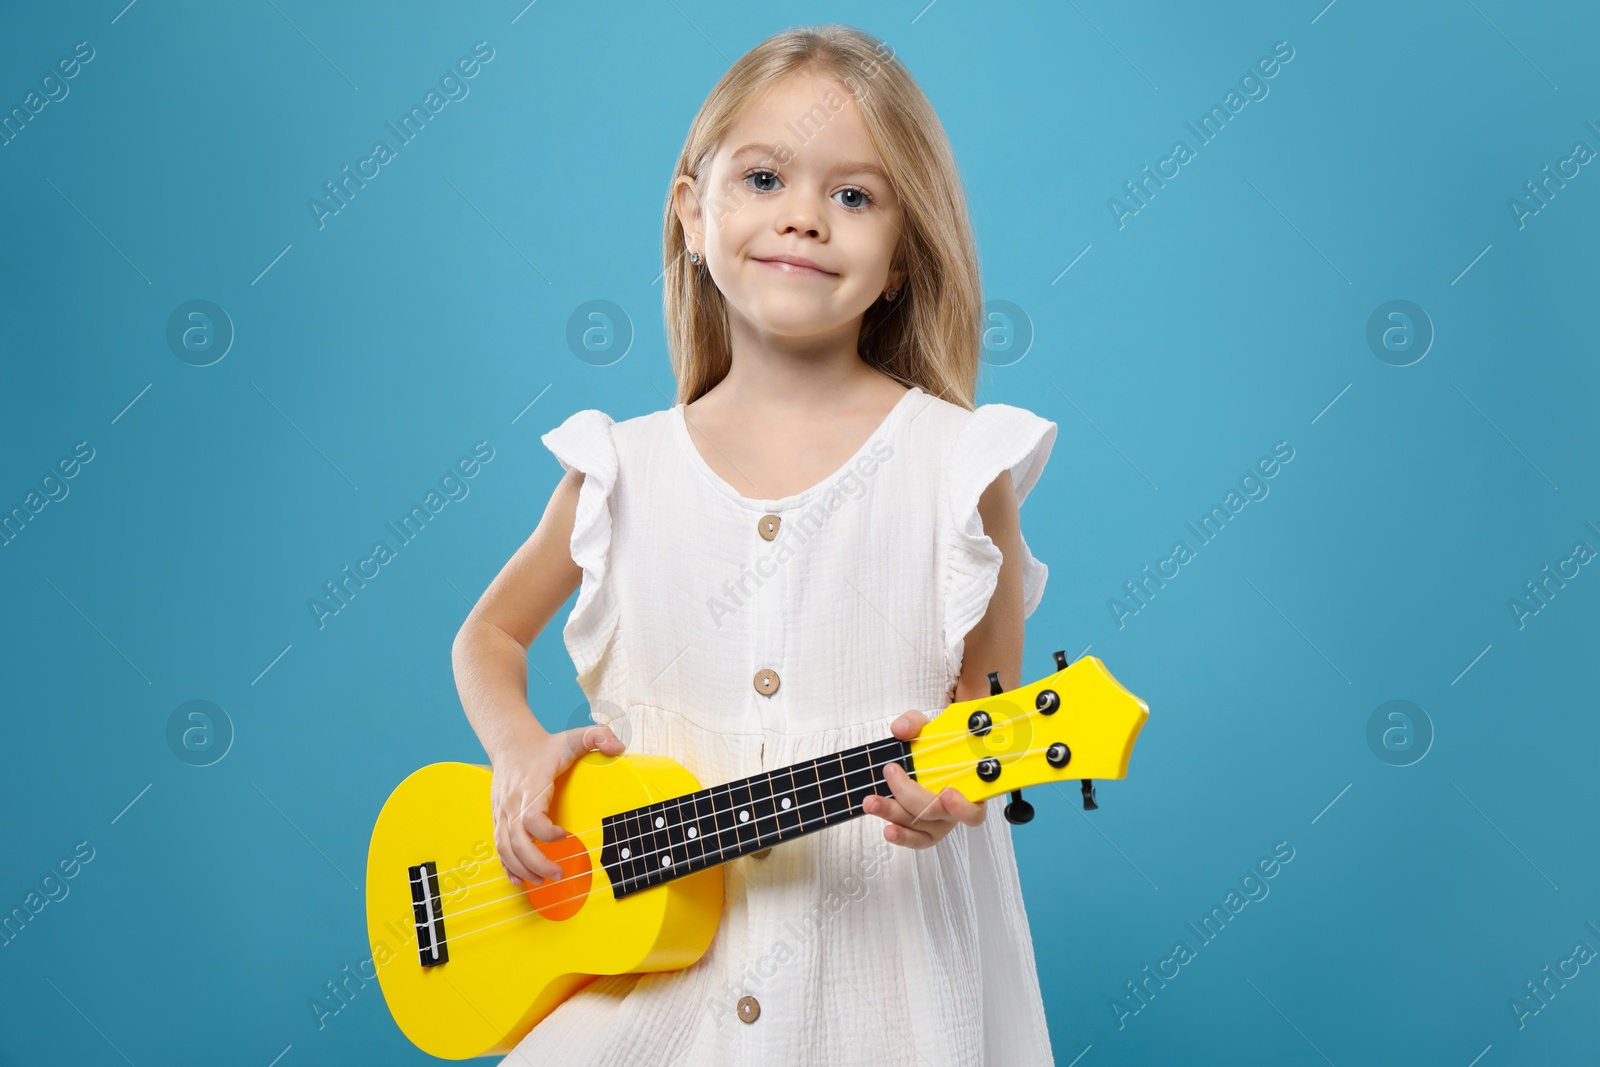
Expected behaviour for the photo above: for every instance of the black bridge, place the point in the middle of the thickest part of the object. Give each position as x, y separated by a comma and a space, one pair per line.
431, 950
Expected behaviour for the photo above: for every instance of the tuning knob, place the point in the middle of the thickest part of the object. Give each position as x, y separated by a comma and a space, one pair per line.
994, 684
1061, 660
1088, 795
1018, 811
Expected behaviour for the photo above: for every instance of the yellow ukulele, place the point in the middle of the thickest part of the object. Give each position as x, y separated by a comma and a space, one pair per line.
469, 963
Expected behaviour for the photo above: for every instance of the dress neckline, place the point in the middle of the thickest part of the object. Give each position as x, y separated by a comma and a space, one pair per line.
771, 504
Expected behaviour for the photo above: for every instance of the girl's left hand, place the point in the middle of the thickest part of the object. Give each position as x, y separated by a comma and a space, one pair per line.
918, 817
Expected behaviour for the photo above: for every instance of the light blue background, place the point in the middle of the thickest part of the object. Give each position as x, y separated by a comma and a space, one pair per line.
1230, 313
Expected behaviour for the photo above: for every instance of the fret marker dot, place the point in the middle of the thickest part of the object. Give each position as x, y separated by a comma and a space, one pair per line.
784, 803
692, 831
666, 861
660, 822
626, 853
744, 816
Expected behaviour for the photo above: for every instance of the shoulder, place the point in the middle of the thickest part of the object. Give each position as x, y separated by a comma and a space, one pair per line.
594, 435
974, 446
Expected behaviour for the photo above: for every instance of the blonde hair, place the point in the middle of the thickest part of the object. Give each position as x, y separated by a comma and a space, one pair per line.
930, 335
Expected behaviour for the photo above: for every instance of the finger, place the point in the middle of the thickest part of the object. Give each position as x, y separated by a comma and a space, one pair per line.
960, 807
590, 738
910, 838
922, 802
516, 870
537, 827
909, 725
541, 867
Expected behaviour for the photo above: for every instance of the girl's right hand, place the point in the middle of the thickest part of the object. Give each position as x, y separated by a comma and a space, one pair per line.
520, 797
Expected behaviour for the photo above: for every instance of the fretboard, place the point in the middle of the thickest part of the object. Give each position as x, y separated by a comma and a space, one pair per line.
672, 838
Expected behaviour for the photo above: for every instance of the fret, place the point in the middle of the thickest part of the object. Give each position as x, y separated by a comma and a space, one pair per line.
743, 816
630, 848
696, 831
858, 778
790, 819
652, 846
808, 795
764, 808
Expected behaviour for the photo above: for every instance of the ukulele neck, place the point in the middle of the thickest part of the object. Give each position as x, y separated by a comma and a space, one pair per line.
673, 838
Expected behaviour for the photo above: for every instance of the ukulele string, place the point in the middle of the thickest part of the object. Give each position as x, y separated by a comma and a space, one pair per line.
637, 839
453, 938
952, 734
804, 825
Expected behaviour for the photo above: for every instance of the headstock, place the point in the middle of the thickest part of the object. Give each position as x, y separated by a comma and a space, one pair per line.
1078, 723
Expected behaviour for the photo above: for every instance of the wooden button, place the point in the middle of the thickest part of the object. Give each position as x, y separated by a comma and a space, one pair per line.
749, 1009
763, 854
767, 526
766, 682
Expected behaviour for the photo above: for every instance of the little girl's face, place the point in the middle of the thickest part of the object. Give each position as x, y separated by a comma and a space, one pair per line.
794, 176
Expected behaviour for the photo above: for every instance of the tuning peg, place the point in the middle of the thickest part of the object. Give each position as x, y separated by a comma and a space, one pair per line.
1018, 811
1088, 795
1061, 660
994, 684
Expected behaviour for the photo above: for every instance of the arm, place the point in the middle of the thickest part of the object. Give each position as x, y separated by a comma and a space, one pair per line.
489, 656
490, 651
918, 817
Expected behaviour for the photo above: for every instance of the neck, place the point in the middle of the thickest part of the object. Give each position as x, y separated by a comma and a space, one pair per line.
672, 838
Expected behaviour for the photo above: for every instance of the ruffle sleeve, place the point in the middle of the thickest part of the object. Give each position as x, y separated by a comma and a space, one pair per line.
584, 442
997, 437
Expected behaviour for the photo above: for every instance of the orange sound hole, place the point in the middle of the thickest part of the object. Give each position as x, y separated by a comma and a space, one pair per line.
563, 898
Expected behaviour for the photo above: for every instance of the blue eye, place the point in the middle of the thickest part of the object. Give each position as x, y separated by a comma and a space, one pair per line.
761, 173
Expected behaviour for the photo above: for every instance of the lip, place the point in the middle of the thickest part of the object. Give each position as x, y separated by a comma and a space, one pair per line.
794, 265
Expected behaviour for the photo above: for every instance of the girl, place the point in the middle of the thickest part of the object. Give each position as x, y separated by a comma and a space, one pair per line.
822, 531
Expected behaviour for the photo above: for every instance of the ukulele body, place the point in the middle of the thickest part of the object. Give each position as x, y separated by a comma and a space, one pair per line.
512, 956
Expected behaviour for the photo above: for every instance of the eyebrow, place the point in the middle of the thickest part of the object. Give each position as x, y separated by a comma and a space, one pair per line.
848, 167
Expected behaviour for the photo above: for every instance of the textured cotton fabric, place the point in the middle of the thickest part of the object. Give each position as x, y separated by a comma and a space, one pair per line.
858, 951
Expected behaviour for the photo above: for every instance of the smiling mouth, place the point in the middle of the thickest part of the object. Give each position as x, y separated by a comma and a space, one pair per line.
795, 268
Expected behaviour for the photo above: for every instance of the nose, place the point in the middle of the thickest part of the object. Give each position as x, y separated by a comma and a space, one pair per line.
799, 214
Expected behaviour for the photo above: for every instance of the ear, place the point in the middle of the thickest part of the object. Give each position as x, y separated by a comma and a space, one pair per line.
686, 203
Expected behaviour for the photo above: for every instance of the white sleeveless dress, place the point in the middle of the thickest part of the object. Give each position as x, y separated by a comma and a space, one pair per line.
696, 636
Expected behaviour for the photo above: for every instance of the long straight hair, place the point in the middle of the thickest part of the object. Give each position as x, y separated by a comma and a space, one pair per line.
930, 335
